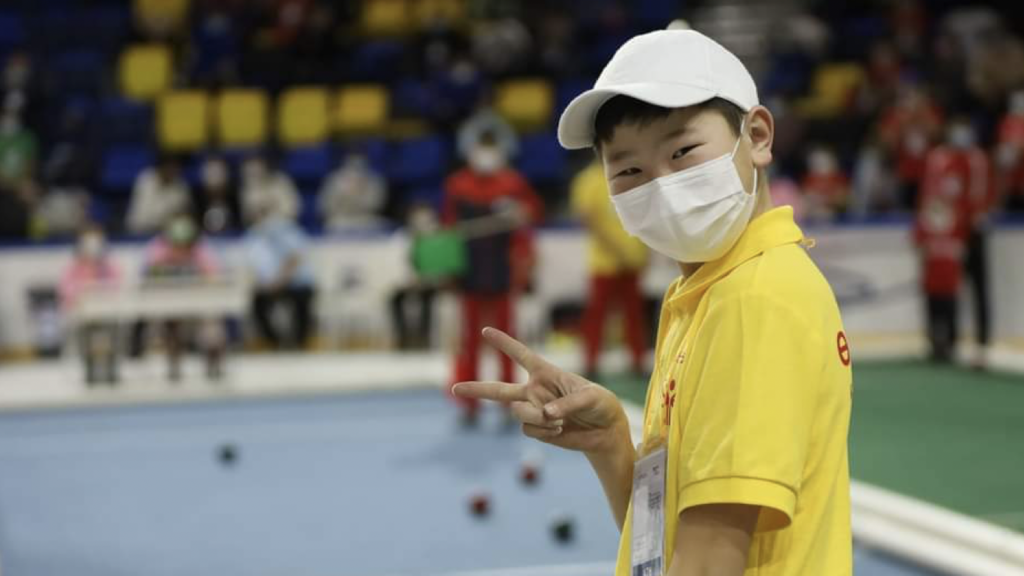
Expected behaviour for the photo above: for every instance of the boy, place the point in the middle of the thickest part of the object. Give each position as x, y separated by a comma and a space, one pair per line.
743, 466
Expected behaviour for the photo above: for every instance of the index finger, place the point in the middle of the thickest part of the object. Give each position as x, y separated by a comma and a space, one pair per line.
497, 391
514, 349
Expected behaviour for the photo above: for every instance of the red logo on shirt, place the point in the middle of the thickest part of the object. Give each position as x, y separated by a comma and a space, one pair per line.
844, 348
668, 401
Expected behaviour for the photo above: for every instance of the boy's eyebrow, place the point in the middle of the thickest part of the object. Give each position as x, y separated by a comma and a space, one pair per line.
675, 133
620, 155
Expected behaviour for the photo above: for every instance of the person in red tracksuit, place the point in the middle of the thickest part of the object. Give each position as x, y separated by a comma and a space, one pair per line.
955, 196
487, 187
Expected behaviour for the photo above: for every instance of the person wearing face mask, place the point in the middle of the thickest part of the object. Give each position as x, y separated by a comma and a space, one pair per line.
826, 188
159, 193
218, 208
180, 253
490, 191
743, 468
267, 188
92, 267
1009, 154
353, 195
957, 196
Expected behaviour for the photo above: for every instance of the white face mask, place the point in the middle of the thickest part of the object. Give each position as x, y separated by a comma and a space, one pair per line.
694, 215
92, 246
486, 160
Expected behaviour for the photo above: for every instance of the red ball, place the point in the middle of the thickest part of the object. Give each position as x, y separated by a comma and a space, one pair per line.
480, 504
529, 474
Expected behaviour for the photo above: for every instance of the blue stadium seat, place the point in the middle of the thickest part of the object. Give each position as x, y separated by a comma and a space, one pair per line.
12, 30
541, 158
376, 150
309, 164
125, 121
656, 13
372, 61
567, 90
419, 160
120, 166
431, 195
411, 98
109, 26
78, 72
309, 219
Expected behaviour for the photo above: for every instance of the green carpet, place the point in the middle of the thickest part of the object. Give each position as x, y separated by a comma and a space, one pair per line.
950, 436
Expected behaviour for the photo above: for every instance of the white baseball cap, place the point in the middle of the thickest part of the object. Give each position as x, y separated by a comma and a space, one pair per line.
668, 68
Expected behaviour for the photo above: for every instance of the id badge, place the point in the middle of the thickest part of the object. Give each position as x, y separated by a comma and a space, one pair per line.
648, 527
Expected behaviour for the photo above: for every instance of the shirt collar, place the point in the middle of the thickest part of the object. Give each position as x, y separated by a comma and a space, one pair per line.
773, 228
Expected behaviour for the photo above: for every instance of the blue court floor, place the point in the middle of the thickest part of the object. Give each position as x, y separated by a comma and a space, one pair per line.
351, 484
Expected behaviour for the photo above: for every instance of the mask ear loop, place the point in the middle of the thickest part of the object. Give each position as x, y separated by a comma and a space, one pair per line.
736, 148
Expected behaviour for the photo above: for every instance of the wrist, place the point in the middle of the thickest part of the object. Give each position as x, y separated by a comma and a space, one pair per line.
617, 445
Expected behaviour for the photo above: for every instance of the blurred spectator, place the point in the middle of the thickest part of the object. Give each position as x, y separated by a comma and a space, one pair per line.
1009, 154
266, 188
91, 268
219, 210
160, 193
62, 211
908, 20
18, 149
908, 129
996, 68
956, 197
413, 327
495, 201
884, 68
486, 121
501, 46
353, 195
21, 89
615, 260
875, 189
181, 255
785, 192
277, 251
826, 188
16, 205
216, 42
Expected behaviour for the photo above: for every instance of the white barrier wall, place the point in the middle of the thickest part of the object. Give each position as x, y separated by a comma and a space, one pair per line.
872, 269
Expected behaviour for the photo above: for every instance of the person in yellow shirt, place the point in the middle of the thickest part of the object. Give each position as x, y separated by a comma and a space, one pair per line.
743, 467
615, 260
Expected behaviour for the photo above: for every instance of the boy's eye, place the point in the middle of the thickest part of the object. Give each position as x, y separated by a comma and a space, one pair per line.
628, 172
682, 152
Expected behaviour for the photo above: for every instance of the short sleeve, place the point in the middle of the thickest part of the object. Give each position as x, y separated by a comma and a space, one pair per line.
748, 429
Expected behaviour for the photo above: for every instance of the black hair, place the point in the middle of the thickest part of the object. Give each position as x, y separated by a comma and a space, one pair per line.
626, 110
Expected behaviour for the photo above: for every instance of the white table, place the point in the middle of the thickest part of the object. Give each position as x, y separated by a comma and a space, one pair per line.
162, 300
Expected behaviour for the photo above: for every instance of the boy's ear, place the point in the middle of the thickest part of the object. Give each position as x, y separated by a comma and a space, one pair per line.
762, 133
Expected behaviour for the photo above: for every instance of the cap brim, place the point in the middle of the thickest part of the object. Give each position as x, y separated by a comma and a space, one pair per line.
576, 126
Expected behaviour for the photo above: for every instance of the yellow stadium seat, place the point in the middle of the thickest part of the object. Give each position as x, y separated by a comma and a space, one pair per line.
164, 15
183, 120
527, 104
832, 89
361, 109
302, 116
428, 12
242, 118
385, 17
145, 71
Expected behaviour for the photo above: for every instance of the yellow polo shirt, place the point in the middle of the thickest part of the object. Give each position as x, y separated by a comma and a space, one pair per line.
751, 393
589, 197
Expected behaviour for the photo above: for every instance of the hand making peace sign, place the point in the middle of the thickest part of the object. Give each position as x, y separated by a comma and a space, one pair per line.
555, 406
